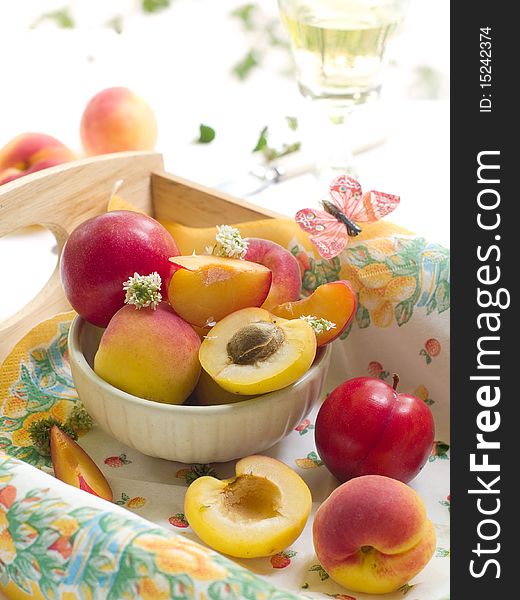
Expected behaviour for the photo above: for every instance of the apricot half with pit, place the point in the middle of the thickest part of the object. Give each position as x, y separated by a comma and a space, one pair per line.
253, 352
205, 289
259, 512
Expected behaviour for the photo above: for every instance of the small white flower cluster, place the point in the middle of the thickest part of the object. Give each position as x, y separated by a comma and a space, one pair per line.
319, 325
143, 290
229, 243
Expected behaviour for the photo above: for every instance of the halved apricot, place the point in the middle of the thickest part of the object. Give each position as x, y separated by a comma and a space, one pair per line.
253, 352
335, 301
260, 512
205, 289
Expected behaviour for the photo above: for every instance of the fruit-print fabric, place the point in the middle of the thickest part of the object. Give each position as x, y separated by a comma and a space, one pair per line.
59, 542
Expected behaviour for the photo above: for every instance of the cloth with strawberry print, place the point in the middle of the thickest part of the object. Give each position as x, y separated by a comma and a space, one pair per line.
402, 325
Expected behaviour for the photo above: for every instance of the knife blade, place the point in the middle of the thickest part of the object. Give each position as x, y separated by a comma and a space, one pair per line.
261, 176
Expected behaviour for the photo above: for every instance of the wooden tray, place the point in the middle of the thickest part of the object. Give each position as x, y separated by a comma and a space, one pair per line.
61, 197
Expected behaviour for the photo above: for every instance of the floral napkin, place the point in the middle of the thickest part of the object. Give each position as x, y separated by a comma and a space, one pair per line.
61, 543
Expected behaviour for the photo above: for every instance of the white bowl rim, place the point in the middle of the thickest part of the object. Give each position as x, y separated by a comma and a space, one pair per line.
74, 350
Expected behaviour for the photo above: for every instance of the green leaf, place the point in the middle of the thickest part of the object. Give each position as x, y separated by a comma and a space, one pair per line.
116, 23
83, 514
151, 6
206, 135
4, 575
38, 400
49, 588
362, 317
292, 123
200, 470
243, 69
345, 334
442, 296
358, 255
409, 246
61, 18
404, 312
271, 154
221, 590
9, 424
315, 458
309, 281
431, 306
181, 587
321, 572
405, 588
104, 562
441, 448
245, 14
262, 140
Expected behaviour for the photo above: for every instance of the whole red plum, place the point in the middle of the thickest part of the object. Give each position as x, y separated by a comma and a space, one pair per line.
103, 252
365, 427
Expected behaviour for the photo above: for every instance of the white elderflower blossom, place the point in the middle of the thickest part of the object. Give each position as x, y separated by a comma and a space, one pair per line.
229, 243
143, 290
317, 324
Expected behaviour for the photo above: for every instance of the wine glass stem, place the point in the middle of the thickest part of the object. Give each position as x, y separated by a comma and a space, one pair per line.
335, 140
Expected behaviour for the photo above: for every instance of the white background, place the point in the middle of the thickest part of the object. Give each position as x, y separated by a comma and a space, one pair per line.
180, 60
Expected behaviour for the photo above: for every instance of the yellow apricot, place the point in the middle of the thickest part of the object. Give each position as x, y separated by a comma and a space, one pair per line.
381, 248
372, 299
400, 288
350, 273
383, 316
375, 275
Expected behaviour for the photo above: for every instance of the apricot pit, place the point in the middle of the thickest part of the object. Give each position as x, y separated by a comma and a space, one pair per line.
254, 343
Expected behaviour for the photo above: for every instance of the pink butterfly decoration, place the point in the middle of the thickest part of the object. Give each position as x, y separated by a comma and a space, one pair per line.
329, 229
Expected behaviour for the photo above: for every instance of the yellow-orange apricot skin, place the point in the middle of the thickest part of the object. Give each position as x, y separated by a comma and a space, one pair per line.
335, 301
74, 466
285, 366
116, 120
372, 534
259, 512
31, 152
205, 289
152, 354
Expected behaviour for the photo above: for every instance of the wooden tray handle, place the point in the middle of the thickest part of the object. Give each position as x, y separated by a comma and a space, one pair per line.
60, 198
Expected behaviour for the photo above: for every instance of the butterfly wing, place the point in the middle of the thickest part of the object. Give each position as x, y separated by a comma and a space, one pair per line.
374, 206
345, 193
328, 235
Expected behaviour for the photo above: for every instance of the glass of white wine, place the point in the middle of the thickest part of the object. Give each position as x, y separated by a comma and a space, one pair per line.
339, 49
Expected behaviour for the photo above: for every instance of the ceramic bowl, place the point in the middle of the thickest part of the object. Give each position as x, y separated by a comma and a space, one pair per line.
190, 434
